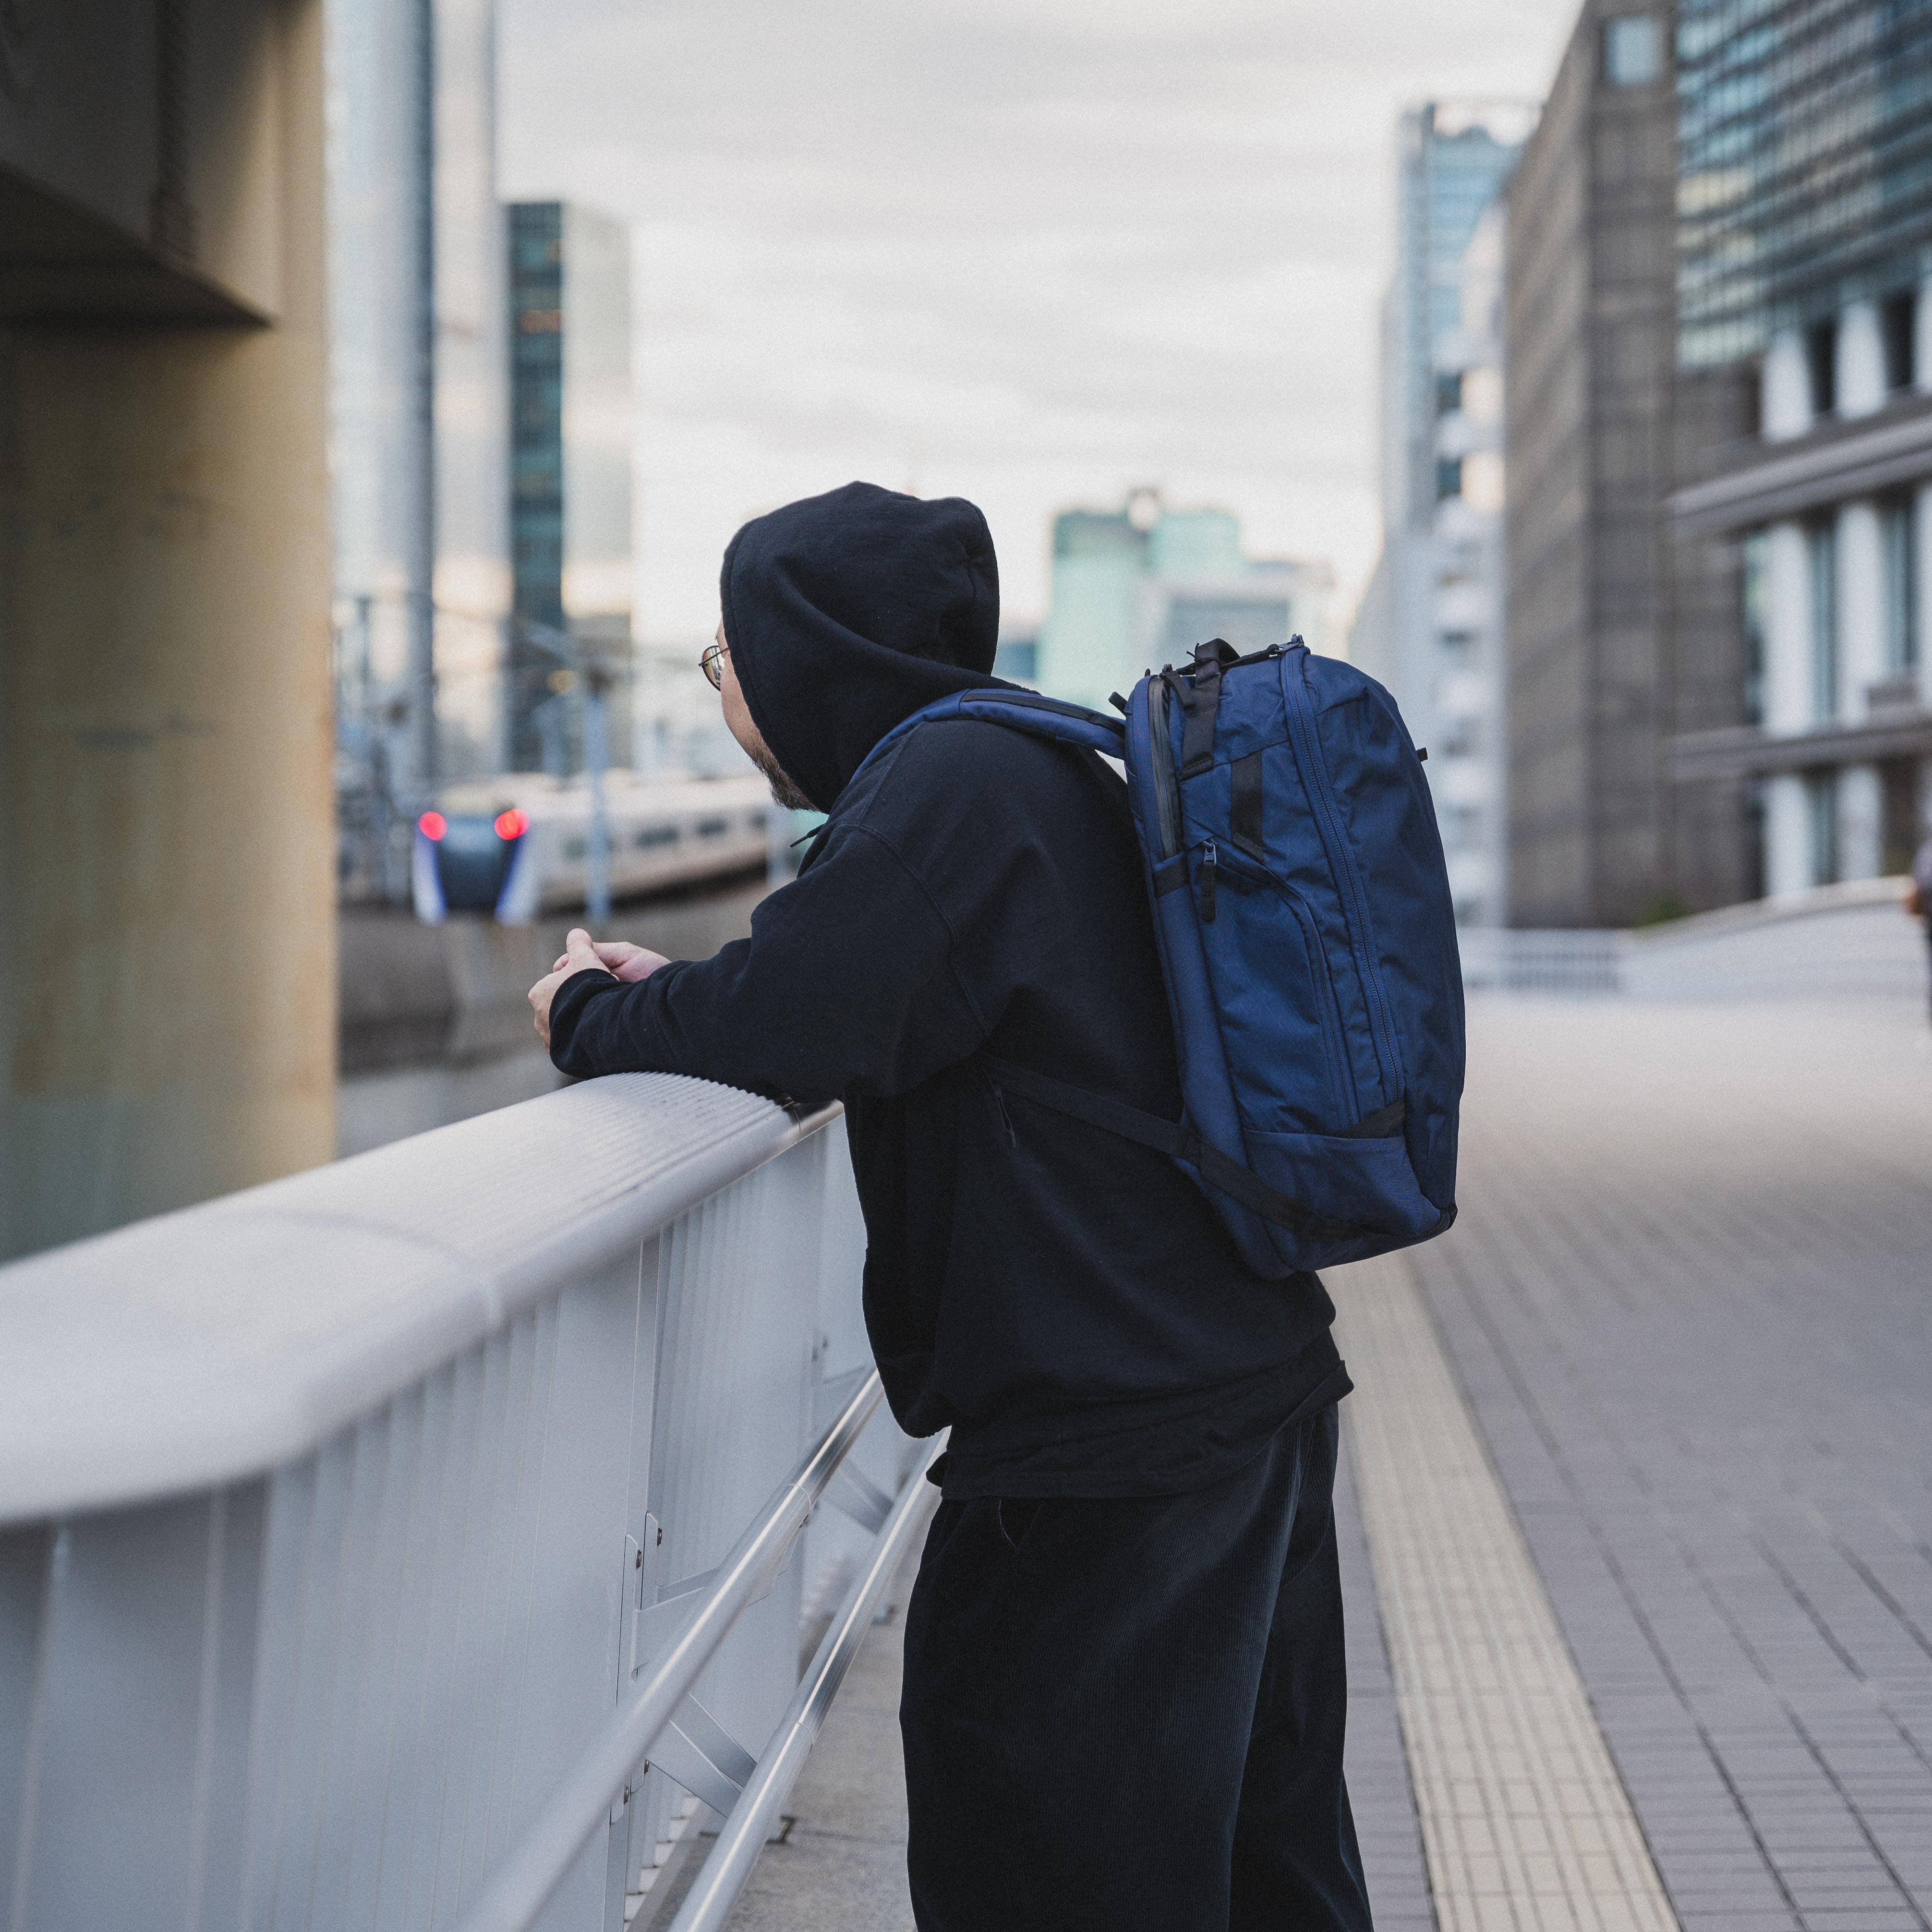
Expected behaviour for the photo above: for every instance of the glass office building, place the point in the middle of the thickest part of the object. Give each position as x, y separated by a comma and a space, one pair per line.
570, 476
1805, 165
1804, 248
1428, 625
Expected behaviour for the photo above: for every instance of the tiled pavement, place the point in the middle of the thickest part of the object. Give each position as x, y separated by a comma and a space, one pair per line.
1379, 1791
1524, 1820
1691, 1300
1690, 1304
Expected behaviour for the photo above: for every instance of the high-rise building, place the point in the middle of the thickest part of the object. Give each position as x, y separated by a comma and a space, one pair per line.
570, 503
1140, 587
1428, 625
1590, 319
1804, 276
418, 411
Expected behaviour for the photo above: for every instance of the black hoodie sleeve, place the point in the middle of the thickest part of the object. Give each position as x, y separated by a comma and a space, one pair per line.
846, 985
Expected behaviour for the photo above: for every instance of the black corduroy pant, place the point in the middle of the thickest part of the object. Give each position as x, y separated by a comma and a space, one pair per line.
1127, 1714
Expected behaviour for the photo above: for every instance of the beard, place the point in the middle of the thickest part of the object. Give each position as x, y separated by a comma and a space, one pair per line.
784, 793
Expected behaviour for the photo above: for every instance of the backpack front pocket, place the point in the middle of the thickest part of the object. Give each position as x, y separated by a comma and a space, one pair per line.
1273, 991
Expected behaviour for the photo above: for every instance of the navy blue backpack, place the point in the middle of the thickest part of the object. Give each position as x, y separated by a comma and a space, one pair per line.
1302, 915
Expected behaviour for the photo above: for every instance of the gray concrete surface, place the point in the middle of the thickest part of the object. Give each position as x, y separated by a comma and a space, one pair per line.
1849, 939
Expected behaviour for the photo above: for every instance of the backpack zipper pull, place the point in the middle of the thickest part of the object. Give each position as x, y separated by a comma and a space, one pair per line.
1208, 862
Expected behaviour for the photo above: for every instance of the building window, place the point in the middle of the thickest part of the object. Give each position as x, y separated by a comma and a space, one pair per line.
1632, 50
1461, 828
1448, 478
1459, 647
1448, 391
1753, 589
1821, 543
1821, 814
1898, 317
1461, 737
1821, 364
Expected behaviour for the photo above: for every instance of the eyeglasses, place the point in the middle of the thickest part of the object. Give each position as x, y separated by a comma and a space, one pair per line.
712, 664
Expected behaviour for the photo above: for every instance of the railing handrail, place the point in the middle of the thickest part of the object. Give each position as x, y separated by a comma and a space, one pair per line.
524, 1882
211, 1345
709, 1900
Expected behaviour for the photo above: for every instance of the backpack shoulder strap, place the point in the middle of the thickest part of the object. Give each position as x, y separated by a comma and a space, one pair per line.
1175, 1139
1025, 711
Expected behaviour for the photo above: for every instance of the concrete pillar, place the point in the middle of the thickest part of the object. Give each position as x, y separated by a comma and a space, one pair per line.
1787, 387
1861, 371
1860, 561
1787, 835
1787, 630
167, 974
1861, 808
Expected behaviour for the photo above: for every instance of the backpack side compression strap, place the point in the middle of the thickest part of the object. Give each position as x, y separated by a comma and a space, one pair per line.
1176, 1140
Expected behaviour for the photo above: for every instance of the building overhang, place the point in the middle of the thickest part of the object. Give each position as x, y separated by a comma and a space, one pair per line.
1838, 461
1745, 751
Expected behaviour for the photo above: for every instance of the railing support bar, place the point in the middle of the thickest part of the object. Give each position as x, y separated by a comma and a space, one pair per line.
524, 1883
712, 1896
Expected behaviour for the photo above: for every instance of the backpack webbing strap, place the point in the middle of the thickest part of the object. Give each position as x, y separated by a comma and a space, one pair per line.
1176, 1140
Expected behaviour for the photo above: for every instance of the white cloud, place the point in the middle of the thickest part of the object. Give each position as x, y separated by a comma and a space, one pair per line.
1029, 251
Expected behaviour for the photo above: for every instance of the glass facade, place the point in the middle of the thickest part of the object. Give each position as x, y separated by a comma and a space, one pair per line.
1456, 157
1804, 181
536, 464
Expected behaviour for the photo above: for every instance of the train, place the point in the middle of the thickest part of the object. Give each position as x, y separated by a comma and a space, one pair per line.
518, 846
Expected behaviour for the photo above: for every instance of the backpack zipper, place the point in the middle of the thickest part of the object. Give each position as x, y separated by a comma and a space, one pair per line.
1006, 1119
1342, 862
1166, 798
1208, 864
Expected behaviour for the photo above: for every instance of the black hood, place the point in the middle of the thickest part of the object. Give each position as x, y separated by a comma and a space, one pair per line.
847, 612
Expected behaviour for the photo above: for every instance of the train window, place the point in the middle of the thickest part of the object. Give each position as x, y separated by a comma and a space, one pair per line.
713, 828
656, 835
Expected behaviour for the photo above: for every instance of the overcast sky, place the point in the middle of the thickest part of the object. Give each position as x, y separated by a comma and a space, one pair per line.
1031, 252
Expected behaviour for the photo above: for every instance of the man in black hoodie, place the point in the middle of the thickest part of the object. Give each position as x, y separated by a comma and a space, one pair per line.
1124, 1689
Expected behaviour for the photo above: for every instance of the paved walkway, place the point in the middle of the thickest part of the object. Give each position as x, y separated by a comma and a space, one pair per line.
1683, 1336
1690, 1300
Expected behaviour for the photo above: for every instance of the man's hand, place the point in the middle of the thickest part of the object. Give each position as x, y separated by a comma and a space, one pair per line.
619, 958
580, 953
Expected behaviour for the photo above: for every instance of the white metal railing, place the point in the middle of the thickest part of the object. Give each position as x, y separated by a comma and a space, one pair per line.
1498, 958
342, 1522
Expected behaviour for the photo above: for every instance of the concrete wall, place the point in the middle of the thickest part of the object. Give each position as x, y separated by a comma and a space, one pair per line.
1546, 459
435, 1020
1615, 641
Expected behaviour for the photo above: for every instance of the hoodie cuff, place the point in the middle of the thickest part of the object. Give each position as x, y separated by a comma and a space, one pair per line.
568, 1007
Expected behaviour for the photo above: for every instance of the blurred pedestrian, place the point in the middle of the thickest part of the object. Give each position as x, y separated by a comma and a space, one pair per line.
1124, 1692
1919, 895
